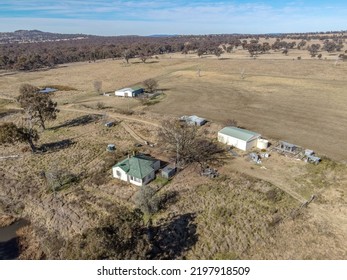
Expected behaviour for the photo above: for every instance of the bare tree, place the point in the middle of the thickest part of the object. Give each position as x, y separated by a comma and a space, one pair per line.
199, 72
230, 122
188, 145
150, 85
147, 200
144, 57
97, 86
127, 54
57, 178
242, 73
38, 107
179, 137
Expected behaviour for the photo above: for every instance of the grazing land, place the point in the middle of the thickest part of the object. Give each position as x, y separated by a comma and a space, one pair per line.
248, 212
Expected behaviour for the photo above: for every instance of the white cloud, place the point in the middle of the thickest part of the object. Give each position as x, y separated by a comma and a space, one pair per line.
179, 17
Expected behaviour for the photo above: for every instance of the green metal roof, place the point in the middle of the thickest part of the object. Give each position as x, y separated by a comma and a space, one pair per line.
239, 133
136, 88
137, 166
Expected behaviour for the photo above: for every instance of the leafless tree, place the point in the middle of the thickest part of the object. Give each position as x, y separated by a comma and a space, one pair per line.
144, 57
199, 72
150, 85
179, 137
57, 178
230, 122
100, 105
189, 146
242, 73
127, 54
146, 200
97, 86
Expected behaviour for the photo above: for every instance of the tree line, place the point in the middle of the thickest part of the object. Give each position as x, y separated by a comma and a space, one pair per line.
31, 56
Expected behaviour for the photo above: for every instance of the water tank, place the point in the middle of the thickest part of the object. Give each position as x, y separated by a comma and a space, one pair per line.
262, 144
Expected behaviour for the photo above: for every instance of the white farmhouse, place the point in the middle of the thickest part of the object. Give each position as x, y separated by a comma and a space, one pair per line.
240, 138
129, 92
138, 170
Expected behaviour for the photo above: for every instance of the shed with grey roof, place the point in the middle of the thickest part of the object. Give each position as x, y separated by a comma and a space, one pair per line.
242, 139
194, 120
168, 171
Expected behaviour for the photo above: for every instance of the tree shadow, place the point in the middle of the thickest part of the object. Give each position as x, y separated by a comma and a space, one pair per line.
56, 146
9, 113
83, 120
9, 250
172, 238
151, 62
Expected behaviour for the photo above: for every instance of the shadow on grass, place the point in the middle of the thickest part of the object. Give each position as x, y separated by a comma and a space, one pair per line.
9, 113
55, 146
83, 120
9, 249
151, 62
172, 238
147, 62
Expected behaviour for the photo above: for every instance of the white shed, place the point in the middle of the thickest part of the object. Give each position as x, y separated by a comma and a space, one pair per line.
240, 138
193, 120
129, 92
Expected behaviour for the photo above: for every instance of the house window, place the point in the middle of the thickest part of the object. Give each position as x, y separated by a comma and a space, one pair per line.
135, 179
118, 173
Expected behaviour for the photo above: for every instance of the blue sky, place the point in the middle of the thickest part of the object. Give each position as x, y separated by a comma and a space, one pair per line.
145, 17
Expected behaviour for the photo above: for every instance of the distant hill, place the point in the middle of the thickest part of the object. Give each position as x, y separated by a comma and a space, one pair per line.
33, 36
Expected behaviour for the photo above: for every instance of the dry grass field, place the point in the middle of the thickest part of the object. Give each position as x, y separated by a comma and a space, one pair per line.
250, 211
301, 101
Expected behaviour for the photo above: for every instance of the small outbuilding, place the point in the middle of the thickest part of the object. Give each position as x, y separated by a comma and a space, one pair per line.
242, 139
288, 147
193, 120
262, 144
111, 147
109, 124
129, 92
47, 90
168, 171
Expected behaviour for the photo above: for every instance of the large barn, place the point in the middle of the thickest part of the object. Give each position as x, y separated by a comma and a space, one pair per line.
242, 139
129, 92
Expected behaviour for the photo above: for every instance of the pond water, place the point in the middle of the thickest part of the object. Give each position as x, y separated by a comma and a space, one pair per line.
9, 248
